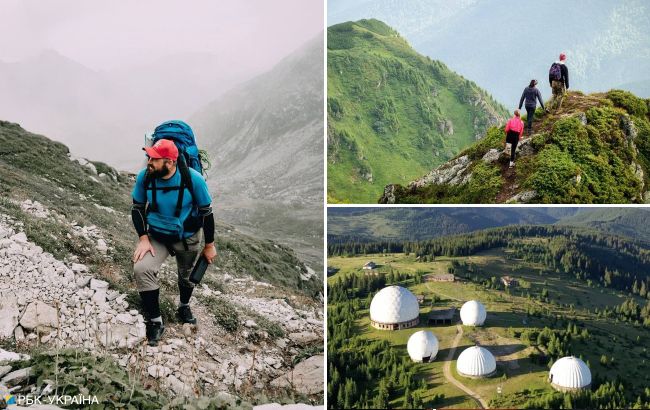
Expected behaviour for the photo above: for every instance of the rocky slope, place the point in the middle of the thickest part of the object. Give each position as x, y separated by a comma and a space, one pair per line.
596, 149
66, 283
393, 113
265, 139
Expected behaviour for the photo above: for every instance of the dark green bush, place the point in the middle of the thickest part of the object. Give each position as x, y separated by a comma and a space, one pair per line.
628, 101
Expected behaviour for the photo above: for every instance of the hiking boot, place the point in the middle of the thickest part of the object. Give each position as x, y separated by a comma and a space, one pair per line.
184, 314
154, 332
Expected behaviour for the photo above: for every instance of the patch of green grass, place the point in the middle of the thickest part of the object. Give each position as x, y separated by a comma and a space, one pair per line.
224, 313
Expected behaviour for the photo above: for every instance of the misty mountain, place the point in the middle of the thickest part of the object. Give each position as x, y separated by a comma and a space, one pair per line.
265, 138
607, 42
94, 111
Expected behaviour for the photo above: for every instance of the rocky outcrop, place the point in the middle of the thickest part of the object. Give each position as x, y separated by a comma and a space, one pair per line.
453, 173
492, 155
523, 197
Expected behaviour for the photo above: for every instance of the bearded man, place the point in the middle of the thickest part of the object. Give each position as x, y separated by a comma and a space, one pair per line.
171, 208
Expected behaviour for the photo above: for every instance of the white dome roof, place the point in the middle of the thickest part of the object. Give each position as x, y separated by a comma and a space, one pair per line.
476, 361
394, 304
472, 313
422, 344
570, 372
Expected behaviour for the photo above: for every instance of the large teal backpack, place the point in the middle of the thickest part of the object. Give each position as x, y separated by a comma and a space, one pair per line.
183, 137
189, 156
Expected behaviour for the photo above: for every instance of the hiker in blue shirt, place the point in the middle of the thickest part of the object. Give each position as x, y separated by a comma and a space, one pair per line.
171, 207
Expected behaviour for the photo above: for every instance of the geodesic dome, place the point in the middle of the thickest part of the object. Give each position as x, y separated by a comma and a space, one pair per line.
422, 346
570, 373
394, 307
476, 361
473, 313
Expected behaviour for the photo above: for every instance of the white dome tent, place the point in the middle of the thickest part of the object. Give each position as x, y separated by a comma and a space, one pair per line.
476, 361
393, 308
473, 313
422, 346
569, 374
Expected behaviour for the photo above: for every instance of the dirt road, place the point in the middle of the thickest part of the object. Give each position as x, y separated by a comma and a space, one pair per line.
450, 377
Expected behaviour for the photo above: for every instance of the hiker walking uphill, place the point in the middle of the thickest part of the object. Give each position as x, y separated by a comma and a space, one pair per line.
171, 206
531, 95
558, 78
514, 132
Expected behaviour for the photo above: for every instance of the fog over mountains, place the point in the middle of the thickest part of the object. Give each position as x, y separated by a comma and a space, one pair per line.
95, 111
266, 144
502, 44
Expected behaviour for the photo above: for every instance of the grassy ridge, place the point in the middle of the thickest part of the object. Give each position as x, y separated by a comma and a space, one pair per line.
596, 149
392, 113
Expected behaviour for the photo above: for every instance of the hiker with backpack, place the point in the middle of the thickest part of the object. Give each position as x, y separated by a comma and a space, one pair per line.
531, 95
514, 132
171, 208
558, 78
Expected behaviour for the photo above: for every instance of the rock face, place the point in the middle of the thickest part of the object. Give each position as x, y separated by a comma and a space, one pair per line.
450, 173
492, 155
306, 377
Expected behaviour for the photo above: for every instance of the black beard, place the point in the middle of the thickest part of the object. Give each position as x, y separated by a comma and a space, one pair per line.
157, 174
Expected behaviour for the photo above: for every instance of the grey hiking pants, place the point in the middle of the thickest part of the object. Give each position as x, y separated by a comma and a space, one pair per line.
146, 269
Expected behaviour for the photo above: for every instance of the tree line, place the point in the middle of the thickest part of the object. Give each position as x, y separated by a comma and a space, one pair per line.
610, 260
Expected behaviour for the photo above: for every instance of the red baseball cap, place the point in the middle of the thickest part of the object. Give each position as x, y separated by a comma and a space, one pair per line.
163, 149
562, 57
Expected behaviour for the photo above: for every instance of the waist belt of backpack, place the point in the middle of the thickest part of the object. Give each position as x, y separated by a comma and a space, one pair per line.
171, 250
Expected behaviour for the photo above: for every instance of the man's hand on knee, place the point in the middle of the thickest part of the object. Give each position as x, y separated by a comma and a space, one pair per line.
143, 247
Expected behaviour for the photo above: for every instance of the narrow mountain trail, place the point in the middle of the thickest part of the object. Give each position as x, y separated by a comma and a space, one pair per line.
447, 370
509, 186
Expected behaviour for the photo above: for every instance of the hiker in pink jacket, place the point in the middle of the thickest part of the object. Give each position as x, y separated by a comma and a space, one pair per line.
514, 132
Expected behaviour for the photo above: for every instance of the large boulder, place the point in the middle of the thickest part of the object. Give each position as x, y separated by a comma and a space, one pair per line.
305, 378
9, 315
39, 315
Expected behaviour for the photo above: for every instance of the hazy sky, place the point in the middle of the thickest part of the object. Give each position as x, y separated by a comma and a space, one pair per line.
117, 33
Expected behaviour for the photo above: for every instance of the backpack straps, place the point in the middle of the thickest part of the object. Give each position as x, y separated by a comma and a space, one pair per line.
186, 182
150, 183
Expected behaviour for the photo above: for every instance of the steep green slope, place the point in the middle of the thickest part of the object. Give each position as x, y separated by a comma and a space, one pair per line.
596, 149
393, 113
